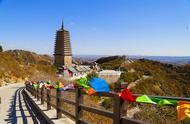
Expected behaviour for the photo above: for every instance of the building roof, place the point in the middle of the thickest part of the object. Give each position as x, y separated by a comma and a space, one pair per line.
88, 68
78, 68
83, 68
72, 69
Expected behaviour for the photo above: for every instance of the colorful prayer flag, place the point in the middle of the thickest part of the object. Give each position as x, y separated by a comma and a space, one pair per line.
144, 99
127, 95
90, 91
83, 82
67, 87
183, 110
161, 102
99, 85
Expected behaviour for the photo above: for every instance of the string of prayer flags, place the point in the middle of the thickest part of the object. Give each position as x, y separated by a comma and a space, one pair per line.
49, 87
33, 82
41, 84
49, 82
127, 95
99, 85
36, 86
67, 87
61, 85
56, 86
83, 82
90, 91
162, 102
183, 110
144, 99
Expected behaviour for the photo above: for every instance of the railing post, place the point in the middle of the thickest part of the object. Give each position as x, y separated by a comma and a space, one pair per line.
33, 92
77, 107
29, 88
38, 95
117, 105
48, 99
26, 86
42, 100
58, 103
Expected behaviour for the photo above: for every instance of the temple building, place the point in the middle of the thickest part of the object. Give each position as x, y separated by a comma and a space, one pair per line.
63, 53
63, 57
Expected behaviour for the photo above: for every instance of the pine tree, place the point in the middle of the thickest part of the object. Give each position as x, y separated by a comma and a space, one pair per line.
1, 48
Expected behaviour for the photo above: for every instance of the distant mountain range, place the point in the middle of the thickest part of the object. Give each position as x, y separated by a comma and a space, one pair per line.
166, 59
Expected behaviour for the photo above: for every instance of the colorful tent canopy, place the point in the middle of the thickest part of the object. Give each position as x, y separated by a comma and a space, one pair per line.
183, 110
99, 85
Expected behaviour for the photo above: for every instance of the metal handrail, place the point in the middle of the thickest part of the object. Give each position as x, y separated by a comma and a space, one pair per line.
166, 97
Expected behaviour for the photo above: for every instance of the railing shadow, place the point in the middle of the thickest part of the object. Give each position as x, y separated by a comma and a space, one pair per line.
12, 119
18, 103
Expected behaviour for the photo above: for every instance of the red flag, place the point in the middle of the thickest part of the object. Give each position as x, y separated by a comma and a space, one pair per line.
127, 95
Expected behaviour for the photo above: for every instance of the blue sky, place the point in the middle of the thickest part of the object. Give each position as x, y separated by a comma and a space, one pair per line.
101, 27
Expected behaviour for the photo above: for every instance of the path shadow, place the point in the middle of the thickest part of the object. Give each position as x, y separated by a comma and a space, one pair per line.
12, 115
12, 119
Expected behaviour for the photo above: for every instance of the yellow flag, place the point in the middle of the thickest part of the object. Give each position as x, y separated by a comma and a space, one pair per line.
183, 110
61, 85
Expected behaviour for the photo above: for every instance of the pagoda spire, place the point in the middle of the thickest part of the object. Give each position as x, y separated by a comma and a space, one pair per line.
62, 25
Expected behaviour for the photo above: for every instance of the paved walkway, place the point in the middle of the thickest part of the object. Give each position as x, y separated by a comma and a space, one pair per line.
52, 113
14, 109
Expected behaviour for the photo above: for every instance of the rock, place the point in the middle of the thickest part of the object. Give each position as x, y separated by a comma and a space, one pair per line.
131, 112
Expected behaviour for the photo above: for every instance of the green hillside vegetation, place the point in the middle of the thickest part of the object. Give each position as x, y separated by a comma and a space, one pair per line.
112, 62
161, 79
130, 76
23, 65
166, 79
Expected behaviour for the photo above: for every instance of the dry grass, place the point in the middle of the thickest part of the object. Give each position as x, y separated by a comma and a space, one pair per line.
25, 65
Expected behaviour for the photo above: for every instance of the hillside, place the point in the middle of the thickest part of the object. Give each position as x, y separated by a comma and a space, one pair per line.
112, 62
19, 65
157, 78
154, 78
164, 79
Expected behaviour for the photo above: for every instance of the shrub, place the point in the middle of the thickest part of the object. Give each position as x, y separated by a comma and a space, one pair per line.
1, 48
107, 103
92, 75
130, 76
